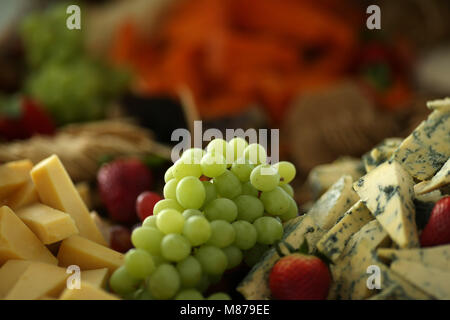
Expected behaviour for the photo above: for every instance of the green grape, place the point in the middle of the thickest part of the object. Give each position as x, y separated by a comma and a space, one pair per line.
164, 282
189, 294
191, 212
150, 221
144, 294
292, 212
167, 204
182, 169
249, 208
246, 235
214, 278
228, 185
221, 147
212, 259
237, 146
197, 230
242, 170
193, 155
121, 282
139, 263
159, 260
170, 221
204, 283
286, 170
170, 189
210, 191
221, 209
288, 189
219, 296
147, 238
254, 255
269, 230
213, 165
191, 193
168, 175
175, 247
264, 177
255, 153
276, 202
190, 272
222, 234
234, 256
249, 190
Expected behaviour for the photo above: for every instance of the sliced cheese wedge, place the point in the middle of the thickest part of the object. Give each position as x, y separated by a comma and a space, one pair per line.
87, 291
441, 179
13, 175
97, 277
388, 193
10, 273
24, 196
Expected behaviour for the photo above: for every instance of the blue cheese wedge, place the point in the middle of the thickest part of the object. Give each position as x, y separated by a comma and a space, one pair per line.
388, 193
441, 179
332, 205
435, 282
441, 104
322, 177
334, 241
381, 153
255, 285
427, 148
435, 257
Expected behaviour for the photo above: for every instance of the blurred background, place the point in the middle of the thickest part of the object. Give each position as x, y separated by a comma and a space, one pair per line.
138, 69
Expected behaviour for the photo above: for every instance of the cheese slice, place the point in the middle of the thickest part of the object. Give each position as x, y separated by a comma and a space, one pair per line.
381, 153
13, 175
434, 282
48, 224
97, 277
85, 193
24, 196
332, 244
10, 273
17, 241
440, 104
332, 205
38, 280
87, 291
88, 255
56, 189
388, 193
435, 257
441, 179
427, 148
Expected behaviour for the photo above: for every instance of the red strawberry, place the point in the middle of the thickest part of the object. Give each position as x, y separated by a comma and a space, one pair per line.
120, 182
299, 277
437, 230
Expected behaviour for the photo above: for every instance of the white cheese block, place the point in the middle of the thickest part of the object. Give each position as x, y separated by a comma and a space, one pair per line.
388, 193
427, 148
441, 179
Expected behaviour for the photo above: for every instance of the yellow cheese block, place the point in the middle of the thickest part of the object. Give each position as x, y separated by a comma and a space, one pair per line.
48, 224
24, 196
88, 255
38, 280
17, 241
13, 176
87, 292
98, 277
56, 189
10, 272
85, 193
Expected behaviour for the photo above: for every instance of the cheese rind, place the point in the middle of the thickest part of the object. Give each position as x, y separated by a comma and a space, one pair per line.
435, 257
17, 241
13, 175
427, 148
87, 291
56, 189
388, 193
48, 224
38, 280
441, 179
88, 255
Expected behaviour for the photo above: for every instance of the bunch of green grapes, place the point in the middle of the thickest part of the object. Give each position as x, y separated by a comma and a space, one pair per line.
221, 207
72, 86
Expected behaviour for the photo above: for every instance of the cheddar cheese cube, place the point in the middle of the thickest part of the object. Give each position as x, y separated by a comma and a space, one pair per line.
88, 254
97, 277
17, 241
48, 224
24, 196
87, 292
38, 280
13, 175
56, 189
